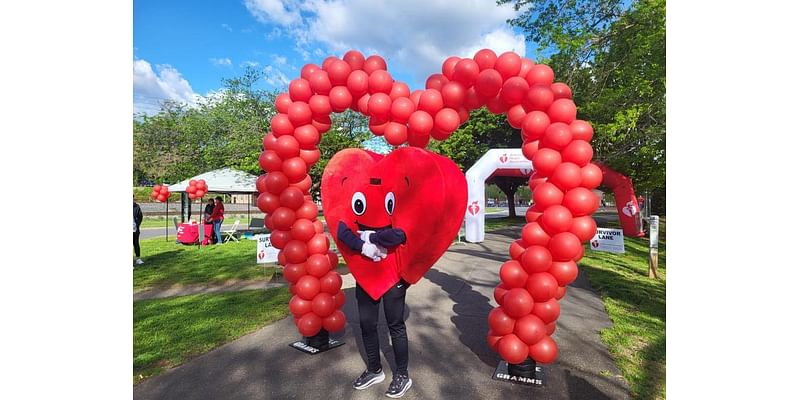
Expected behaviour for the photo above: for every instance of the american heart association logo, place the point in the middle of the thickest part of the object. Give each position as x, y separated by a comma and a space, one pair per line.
504, 158
474, 208
595, 244
261, 255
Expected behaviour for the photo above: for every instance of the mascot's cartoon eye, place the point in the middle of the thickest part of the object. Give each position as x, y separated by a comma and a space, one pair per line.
359, 203
389, 203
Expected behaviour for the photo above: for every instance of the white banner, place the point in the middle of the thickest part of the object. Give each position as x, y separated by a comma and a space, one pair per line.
610, 240
265, 253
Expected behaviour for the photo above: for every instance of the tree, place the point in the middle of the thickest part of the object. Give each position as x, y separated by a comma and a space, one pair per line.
348, 130
612, 54
509, 185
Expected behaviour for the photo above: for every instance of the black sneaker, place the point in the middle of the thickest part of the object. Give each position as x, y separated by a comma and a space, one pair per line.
399, 386
368, 379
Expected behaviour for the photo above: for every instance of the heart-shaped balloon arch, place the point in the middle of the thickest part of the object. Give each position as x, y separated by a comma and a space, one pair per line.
542, 262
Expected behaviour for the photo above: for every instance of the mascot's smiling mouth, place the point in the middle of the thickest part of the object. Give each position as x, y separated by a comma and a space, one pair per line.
362, 227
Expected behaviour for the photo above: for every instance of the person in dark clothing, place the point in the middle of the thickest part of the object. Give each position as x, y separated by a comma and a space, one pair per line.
375, 245
217, 216
209, 210
137, 221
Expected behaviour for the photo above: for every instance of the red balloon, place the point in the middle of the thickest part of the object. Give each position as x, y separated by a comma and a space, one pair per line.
270, 161
530, 329
323, 304
546, 161
492, 340
499, 292
534, 235
485, 58
579, 255
298, 306
268, 202
535, 259
584, 228
282, 102
534, 125
540, 74
318, 264
399, 89
453, 94
489, 83
307, 136
162, 198
525, 67
561, 90
566, 175
378, 124
294, 169
471, 99
309, 324
531, 215
546, 195
310, 156
340, 300
447, 120
415, 97
276, 182
318, 227
516, 249
308, 70
402, 108
581, 201
340, 98
380, 81
541, 286
320, 82
578, 152
354, 59
556, 219
562, 110
565, 273
515, 116
292, 272
374, 63
436, 82
379, 104
514, 90
307, 286
307, 211
561, 292
319, 244
538, 98
269, 225
508, 64
304, 185
282, 125
339, 71
331, 282
287, 147
320, 105
300, 90
334, 259
363, 104
449, 65
358, 83
395, 133
416, 139
334, 322
303, 230
466, 72
431, 101
420, 122
513, 275
191, 196
270, 139
500, 322
296, 251
544, 352
564, 246
283, 218
591, 176
512, 349
581, 130
518, 302
463, 115
557, 136
322, 122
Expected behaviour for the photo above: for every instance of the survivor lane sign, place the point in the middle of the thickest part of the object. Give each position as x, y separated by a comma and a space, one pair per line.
609, 240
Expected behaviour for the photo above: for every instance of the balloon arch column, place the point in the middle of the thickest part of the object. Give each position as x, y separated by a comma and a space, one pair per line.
543, 260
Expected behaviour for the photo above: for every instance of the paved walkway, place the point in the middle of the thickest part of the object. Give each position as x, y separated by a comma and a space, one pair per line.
449, 358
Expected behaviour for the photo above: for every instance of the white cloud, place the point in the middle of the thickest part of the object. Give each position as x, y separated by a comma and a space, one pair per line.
279, 60
248, 64
416, 35
151, 88
274, 11
224, 62
275, 77
227, 27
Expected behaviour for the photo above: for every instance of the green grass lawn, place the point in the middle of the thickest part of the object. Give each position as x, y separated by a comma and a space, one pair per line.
168, 263
491, 224
637, 306
169, 332
160, 222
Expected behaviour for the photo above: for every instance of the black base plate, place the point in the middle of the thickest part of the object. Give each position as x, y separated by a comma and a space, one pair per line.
302, 346
501, 374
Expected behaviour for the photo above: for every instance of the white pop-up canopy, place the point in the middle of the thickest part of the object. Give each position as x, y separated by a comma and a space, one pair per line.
224, 180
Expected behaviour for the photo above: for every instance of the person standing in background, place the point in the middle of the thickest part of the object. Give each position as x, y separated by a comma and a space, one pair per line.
217, 216
137, 221
207, 217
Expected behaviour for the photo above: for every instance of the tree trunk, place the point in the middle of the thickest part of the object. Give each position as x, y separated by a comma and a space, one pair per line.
512, 208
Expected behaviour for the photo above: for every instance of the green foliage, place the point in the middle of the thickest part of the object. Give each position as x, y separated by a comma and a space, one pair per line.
223, 130
612, 53
348, 130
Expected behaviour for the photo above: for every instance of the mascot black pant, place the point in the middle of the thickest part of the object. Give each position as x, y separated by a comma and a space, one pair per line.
394, 305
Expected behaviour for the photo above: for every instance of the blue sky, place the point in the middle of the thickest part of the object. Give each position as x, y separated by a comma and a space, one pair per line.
183, 49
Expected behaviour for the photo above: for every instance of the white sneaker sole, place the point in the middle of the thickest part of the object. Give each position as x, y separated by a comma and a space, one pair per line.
378, 379
402, 392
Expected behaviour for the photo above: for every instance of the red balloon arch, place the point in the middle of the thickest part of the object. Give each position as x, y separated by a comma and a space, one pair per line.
543, 260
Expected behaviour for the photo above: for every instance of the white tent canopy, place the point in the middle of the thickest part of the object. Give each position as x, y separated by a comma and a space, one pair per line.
224, 180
